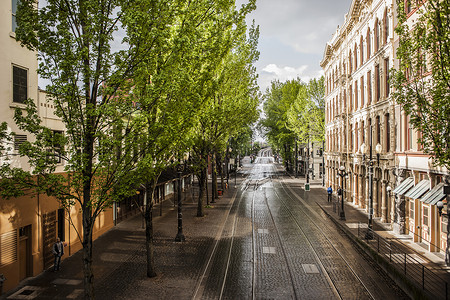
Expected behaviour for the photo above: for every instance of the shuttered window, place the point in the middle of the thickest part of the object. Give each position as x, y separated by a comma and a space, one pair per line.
8, 247
19, 139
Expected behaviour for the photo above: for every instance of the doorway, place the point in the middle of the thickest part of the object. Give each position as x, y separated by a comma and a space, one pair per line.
25, 259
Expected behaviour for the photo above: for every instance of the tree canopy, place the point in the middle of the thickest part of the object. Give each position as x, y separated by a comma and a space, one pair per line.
422, 80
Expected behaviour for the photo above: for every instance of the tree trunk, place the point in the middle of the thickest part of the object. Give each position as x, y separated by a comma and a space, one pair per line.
214, 195
206, 186
149, 231
201, 186
219, 169
88, 278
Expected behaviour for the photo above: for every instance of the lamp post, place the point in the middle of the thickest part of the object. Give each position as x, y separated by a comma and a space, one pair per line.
364, 149
307, 168
180, 236
440, 206
341, 173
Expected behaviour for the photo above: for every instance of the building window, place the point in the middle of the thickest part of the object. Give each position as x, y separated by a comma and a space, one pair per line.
363, 132
409, 134
378, 130
425, 216
386, 83
377, 36
350, 66
14, 11
56, 145
352, 147
408, 7
8, 247
388, 133
362, 91
20, 84
386, 27
351, 97
377, 83
411, 210
345, 100
444, 220
19, 139
361, 51
369, 87
368, 43
356, 57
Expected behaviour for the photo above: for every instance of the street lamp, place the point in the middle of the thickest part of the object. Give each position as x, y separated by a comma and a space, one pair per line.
341, 173
307, 167
378, 149
180, 236
440, 206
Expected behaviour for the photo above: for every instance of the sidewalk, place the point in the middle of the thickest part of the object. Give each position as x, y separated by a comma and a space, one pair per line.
119, 257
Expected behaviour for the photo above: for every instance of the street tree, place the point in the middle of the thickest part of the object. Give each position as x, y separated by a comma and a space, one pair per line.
90, 88
278, 99
306, 116
230, 102
169, 86
421, 83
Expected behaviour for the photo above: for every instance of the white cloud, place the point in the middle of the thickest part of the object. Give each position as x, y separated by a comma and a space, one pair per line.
282, 73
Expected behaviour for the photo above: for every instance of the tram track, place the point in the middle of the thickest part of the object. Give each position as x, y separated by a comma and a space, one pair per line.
248, 192
331, 243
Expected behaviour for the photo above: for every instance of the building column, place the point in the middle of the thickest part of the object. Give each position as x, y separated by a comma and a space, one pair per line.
383, 202
355, 189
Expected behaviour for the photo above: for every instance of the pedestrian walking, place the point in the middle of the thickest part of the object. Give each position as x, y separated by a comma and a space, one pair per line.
58, 251
330, 193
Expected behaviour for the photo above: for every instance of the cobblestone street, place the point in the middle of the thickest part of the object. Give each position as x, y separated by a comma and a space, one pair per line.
264, 239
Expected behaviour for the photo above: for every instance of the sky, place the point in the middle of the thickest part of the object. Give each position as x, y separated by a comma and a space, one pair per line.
293, 35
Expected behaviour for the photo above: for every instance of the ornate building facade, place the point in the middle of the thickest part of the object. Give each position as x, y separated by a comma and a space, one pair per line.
368, 135
359, 109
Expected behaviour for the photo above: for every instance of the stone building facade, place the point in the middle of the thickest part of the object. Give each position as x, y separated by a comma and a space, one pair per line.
369, 136
359, 109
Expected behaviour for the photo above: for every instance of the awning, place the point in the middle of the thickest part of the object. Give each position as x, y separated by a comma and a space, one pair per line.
403, 187
435, 195
418, 190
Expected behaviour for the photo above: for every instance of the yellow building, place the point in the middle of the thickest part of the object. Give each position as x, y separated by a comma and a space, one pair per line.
29, 225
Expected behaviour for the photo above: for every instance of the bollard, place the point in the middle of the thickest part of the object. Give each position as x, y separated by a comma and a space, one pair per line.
2, 279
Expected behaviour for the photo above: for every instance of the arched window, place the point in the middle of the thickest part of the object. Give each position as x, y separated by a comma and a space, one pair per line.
368, 43
350, 66
376, 36
356, 57
385, 27
361, 50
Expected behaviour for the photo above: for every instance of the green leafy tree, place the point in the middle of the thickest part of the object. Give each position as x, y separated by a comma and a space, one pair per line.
306, 117
278, 99
421, 83
91, 90
169, 85
230, 101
